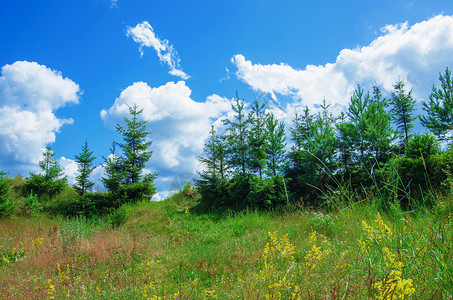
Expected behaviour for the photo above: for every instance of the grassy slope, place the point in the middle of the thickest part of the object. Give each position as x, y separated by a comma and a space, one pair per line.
167, 250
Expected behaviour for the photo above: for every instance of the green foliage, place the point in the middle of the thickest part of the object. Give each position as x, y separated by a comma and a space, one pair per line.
275, 145
266, 193
237, 138
29, 206
6, 207
84, 162
124, 174
135, 146
440, 107
257, 138
48, 184
403, 111
422, 145
214, 192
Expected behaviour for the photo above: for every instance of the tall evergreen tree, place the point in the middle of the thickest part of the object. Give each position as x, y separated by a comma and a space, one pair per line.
379, 134
135, 145
357, 116
257, 137
275, 144
237, 137
345, 131
403, 111
84, 162
440, 107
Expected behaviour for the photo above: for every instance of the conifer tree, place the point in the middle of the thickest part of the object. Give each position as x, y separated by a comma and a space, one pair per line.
237, 137
379, 133
440, 107
357, 116
257, 138
275, 144
50, 166
84, 162
49, 183
135, 145
403, 111
113, 170
124, 174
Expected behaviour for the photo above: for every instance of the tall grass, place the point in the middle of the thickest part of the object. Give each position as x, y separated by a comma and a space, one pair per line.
168, 250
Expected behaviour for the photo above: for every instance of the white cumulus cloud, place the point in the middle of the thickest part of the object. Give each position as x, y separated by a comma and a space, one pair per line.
29, 96
144, 35
414, 53
179, 125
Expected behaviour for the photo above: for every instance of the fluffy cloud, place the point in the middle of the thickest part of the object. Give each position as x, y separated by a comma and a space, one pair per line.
29, 95
179, 125
144, 35
416, 54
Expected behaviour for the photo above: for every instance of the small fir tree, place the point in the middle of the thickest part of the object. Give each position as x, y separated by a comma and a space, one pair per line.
50, 166
275, 144
237, 138
84, 162
403, 111
257, 138
135, 145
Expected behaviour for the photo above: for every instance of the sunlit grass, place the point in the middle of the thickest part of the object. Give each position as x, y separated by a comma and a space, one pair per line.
167, 250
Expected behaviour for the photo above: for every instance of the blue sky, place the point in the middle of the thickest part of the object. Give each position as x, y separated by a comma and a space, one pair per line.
69, 68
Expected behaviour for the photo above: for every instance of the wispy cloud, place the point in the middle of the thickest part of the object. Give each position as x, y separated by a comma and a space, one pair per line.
414, 53
144, 35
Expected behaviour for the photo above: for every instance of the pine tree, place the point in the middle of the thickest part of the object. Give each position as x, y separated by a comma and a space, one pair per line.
440, 107
403, 111
134, 146
275, 144
257, 138
84, 162
237, 138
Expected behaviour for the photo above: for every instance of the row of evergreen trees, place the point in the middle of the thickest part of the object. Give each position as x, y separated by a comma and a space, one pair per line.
124, 177
249, 164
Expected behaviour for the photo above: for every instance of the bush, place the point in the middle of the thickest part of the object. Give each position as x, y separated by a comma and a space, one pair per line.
266, 193
214, 192
132, 193
44, 188
29, 206
6, 207
422, 146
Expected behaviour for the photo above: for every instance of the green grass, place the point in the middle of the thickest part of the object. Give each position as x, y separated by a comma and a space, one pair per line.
168, 250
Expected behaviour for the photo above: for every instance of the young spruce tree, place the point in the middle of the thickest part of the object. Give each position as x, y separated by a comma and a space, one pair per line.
237, 138
125, 173
275, 144
403, 111
257, 138
84, 162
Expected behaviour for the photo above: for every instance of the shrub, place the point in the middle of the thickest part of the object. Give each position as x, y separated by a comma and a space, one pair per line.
29, 205
6, 207
44, 188
422, 145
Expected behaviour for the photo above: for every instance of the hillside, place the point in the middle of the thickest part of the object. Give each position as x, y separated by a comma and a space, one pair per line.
171, 250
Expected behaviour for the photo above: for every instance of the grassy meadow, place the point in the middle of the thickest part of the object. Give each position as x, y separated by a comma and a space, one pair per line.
170, 250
